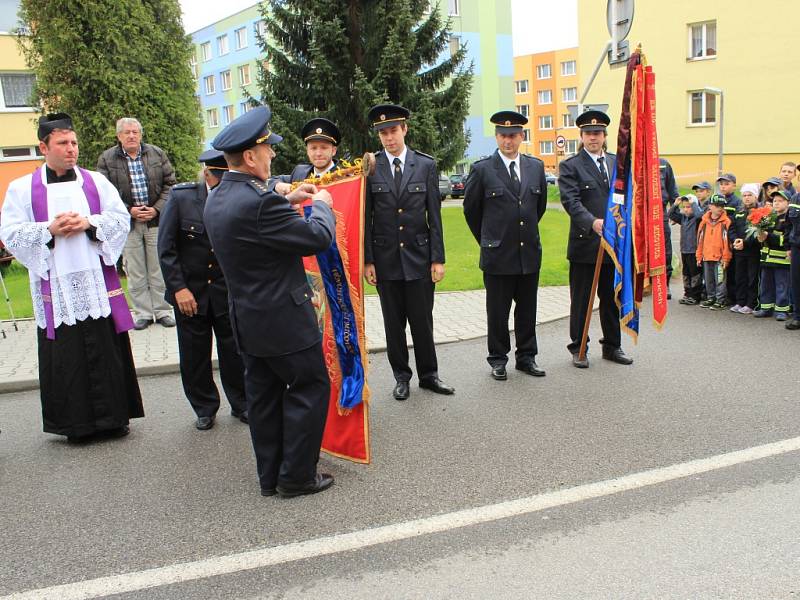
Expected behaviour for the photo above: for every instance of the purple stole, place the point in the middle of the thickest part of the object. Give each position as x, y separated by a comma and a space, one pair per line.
116, 296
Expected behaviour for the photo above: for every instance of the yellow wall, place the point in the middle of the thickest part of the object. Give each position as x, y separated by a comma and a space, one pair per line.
525, 68
17, 129
10, 57
754, 54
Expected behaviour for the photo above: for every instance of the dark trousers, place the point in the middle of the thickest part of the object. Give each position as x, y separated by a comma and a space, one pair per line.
409, 302
730, 278
500, 291
692, 276
580, 286
747, 268
287, 403
774, 292
795, 277
668, 247
194, 348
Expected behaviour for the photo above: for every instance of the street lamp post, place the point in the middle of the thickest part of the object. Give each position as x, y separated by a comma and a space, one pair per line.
718, 92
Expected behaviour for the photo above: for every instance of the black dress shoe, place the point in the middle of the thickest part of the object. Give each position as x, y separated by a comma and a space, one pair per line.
581, 363
268, 491
166, 321
320, 483
242, 416
118, 432
499, 373
618, 356
793, 325
401, 391
142, 324
204, 423
437, 386
531, 368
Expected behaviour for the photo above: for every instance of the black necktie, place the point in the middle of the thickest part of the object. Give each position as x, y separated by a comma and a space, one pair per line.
514, 178
602, 164
398, 175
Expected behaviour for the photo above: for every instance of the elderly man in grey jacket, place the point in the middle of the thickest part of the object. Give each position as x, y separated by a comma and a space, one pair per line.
143, 175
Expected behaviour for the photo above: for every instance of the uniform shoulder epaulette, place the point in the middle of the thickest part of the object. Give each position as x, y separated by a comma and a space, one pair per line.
425, 155
185, 185
482, 159
259, 186
536, 158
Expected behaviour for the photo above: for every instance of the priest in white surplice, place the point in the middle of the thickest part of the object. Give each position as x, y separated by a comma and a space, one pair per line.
68, 227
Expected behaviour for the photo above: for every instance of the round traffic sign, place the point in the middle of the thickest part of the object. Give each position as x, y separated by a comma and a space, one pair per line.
561, 141
621, 22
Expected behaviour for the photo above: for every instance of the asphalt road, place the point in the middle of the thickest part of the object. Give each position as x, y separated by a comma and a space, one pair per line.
710, 384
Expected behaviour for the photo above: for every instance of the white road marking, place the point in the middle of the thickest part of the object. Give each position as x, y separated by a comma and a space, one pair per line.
255, 559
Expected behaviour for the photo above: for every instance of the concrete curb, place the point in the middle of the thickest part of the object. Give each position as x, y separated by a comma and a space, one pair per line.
23, 385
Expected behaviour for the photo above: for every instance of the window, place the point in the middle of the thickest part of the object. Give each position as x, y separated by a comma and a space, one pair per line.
546, 147
211, 87
212, 117
17, 90
567, 120
569, 94
703, 40
526, 135
261, 29
205, 51
545, 122
523, 109
568, 67
544, 97
225, 80
521, 86
193, 65
571, 147
222, 45
244, 75
702, 108
455, 44
453, 8
543, 72
241, 38
227, 114
17, 154
244, 107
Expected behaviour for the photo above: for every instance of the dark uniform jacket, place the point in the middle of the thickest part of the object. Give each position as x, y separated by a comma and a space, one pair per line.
302, 172
185, 253
584, 195
403, 232
669, 188
506, 225
157, 169
751, 247
793, 223
260, 240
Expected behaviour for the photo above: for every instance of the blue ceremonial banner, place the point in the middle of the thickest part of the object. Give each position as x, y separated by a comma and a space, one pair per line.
618, 242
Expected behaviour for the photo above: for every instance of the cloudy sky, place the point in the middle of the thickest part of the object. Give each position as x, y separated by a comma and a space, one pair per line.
538, 25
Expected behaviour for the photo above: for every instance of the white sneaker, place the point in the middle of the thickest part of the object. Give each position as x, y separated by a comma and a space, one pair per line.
745, 310
736, 308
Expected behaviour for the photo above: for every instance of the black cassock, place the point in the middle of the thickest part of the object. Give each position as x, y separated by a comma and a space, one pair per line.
87, 379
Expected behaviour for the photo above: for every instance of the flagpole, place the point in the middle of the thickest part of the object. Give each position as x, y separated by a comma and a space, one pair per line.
598, 263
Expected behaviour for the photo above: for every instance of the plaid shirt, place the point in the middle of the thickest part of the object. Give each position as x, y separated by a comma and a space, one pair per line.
138, 179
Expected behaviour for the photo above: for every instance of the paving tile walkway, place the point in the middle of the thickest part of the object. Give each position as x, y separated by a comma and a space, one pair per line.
457, 316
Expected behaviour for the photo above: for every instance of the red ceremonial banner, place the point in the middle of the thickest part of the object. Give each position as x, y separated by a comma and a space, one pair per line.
347, 427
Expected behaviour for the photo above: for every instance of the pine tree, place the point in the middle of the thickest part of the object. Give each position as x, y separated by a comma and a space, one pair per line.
337, 58
100, 60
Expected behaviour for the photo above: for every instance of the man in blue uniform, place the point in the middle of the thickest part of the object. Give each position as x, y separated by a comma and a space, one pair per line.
196, 288
504, 199
260, 239
321, 137
584, 181
404, 247
669, 194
